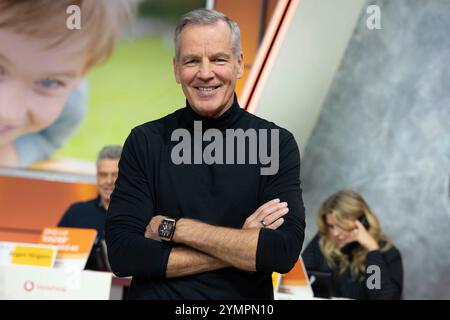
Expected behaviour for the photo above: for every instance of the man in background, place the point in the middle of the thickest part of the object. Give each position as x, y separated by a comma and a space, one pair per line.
91, 214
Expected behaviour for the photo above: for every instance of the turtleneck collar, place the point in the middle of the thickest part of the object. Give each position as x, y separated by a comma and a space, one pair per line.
226, 120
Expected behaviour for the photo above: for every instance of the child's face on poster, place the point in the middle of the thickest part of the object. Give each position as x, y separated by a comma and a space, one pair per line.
35, 81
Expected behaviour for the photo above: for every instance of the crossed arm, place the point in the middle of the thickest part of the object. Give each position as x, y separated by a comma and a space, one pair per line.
132, 249
206, 247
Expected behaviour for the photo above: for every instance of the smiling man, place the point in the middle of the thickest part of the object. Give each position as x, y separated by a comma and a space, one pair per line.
209, 229
207, 63
91, 214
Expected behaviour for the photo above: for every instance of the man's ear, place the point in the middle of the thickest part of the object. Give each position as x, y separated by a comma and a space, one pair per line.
240, 62
175, 70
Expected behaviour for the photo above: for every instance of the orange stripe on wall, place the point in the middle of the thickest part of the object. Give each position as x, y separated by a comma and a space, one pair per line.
267, 54
247, 15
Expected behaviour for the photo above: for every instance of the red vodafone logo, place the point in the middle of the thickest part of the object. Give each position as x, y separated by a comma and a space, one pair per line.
28, 286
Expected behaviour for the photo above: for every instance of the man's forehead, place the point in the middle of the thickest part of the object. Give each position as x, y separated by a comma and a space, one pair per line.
108, 164
218, 31
211, 45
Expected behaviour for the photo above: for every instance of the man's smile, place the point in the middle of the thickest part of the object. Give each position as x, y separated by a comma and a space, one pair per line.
206, 91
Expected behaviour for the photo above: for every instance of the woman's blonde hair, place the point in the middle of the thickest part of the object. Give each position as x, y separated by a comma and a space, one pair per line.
102, 23
347, 205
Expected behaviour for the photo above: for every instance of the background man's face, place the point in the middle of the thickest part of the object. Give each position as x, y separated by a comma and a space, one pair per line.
34, 82
207, 69
107, 172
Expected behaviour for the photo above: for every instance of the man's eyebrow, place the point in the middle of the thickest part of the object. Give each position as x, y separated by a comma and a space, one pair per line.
189, 57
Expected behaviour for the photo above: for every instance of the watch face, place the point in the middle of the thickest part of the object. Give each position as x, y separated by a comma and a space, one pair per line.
166, 229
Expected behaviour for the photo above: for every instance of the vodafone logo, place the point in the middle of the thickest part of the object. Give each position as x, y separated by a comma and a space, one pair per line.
28, 286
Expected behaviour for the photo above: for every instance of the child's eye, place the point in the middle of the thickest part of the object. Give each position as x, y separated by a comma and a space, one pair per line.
51, 84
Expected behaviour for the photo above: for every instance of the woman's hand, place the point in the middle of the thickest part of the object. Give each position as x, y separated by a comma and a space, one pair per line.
360, 234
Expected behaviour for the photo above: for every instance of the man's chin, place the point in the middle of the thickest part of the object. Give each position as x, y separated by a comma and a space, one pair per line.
210, 110
205, 109
106, 197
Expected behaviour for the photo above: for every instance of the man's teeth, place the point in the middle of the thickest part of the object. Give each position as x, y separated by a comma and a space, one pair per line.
206, 89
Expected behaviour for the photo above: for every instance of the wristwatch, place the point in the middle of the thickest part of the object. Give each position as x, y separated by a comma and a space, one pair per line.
166, 229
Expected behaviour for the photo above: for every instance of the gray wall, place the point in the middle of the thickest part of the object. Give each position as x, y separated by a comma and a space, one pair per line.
304, 66
384, 131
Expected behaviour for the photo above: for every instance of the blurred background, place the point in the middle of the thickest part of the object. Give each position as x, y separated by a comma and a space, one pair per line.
369, 108
136, 84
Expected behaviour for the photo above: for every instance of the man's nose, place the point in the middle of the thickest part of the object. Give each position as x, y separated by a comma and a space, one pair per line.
12, 105
110, 179
205, 72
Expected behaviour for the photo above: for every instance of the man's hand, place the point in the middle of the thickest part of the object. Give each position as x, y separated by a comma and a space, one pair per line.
151, 231
185, 260
269, 215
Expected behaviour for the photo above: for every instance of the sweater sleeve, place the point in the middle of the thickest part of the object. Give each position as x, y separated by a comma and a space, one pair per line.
278, 250
391, 274
312, 256
130, 210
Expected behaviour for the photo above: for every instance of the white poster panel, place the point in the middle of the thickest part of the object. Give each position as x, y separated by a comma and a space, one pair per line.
31, 283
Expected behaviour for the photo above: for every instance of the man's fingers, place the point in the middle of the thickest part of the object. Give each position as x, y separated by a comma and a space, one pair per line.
267, 204
267, 209
276, 224
275, 215
271, 210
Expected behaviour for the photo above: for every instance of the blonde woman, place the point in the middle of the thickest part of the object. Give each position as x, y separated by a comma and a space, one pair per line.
350, 247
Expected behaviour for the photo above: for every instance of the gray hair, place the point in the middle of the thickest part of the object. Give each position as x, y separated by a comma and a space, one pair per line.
109, 152
207, 17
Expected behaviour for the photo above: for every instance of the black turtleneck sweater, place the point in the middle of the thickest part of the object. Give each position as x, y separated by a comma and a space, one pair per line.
149, 183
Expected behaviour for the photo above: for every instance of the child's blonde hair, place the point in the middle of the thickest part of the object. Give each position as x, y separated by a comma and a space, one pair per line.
102, 22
